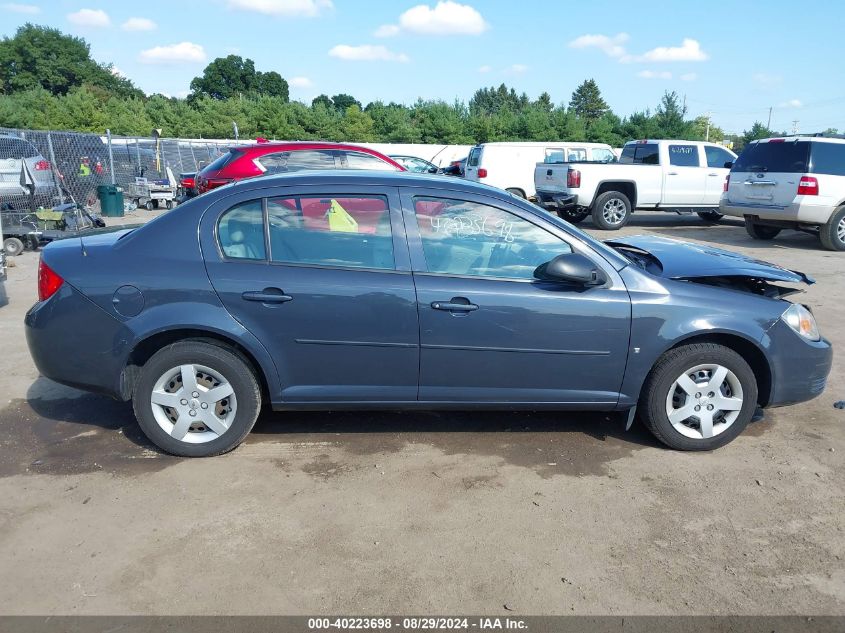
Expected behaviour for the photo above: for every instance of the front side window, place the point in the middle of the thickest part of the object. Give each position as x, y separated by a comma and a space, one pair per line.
240, 231
460, 237
717, 157
683, 155
360, 160
297, 160
338, 230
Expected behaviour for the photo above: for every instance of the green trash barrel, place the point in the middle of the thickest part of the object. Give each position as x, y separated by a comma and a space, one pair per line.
111, 200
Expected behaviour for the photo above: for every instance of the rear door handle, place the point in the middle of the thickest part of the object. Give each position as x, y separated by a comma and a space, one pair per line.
268, 295
672, 173
713, 174
452, 306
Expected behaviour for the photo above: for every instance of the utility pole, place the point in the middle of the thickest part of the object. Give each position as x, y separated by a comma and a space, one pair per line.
769, 124
707, 133
795, 126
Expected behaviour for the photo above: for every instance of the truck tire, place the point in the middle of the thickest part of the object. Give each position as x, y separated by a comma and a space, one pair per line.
13, 246
832, 234
573, 216
761, 231
611, 210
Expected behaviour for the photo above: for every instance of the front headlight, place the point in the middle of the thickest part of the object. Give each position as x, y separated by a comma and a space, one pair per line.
802, 321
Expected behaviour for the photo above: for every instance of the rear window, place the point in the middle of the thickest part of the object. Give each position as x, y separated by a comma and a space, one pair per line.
223, 160
828, 158
16, 148
640, 154
474, 157
791, 157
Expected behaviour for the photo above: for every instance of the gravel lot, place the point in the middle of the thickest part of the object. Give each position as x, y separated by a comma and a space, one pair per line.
495, 513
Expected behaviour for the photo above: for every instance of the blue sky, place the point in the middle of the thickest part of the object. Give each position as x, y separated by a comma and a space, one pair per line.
733, 59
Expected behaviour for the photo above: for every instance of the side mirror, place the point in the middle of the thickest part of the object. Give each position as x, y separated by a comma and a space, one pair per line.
729, 164
572, 268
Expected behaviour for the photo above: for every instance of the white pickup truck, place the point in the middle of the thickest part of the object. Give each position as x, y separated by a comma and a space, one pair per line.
679, 176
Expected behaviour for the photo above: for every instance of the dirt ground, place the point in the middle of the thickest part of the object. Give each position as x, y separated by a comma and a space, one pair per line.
354, 513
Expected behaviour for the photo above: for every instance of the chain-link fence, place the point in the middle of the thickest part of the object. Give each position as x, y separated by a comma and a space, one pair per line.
69, 166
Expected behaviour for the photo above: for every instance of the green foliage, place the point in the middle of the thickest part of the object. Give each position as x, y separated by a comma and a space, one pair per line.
233, 76
587, 102
42, 57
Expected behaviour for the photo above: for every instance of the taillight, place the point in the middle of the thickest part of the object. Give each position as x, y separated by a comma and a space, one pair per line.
48, 281
482, 173
573, 178
211, 183
808, 186
727, 183
42, 165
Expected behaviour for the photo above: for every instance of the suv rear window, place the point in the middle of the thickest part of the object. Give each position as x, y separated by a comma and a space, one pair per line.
474, 157
221, 161
640, 154
790, 157
828, 158
16, 148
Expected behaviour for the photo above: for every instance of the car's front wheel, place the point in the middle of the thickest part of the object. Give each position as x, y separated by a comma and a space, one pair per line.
196, 399
698, 397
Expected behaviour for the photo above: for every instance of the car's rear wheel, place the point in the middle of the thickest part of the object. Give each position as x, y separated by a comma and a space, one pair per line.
710, 216
832, 234
574, 216
611, 211
761, 231
13, 246
196, 399
699, 397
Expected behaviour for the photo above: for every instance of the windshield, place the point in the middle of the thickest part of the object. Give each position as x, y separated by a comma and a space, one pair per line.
791, 157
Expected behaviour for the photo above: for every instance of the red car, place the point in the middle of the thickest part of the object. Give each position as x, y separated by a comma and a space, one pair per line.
275, 158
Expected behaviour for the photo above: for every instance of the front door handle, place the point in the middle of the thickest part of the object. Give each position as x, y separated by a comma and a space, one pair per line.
454, 305
268, 295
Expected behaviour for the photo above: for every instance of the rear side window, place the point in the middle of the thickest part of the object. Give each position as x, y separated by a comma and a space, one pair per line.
640, 154
717, 157
603, 155
828, 158
221, 161
240, 231
297, 160
16, 148
554, 156
790, 157
684, 156
342, 231
474, 157
361, 160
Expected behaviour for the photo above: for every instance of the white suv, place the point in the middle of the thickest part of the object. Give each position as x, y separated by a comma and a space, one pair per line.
790, 183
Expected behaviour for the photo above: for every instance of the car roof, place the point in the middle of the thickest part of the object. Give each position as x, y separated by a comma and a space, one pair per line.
811, 139
540, 144
301, 145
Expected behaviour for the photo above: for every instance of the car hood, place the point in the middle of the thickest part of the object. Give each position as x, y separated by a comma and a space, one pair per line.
687, 260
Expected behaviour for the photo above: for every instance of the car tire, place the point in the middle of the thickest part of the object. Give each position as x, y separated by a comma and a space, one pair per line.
761, 231
517, 192
832, 234
681, 380
710, 216
611, 211
574, 216
162, 404
13, 246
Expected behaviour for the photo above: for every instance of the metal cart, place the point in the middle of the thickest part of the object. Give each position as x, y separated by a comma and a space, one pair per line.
151, 194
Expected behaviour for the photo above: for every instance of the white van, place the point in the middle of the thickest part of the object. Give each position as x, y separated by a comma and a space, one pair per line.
510, 166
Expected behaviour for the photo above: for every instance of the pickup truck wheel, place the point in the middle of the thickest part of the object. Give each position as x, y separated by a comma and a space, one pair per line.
710, 216
698, 397
832, 234
611, 211
761, 231
573, 216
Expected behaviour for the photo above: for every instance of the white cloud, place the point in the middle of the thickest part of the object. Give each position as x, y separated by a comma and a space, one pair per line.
689, 51
284, 8
96, 18
516, 69
446, 18
485, 69
173, 54
387, 30
300, 82
139, 24
13, 7
612, 46
689, 77
367, 53
792, 103
654, 74
114, 70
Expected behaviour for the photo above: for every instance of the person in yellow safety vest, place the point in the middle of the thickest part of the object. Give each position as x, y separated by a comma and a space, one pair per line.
84, 167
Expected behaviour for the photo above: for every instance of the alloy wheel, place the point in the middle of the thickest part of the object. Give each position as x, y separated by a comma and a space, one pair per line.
614, 211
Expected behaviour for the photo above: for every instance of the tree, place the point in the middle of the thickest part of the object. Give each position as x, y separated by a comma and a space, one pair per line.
344, 101
224, 78
43, 57
757, 131
323, 100
670, 117
271, 84
700, 130
587, 102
